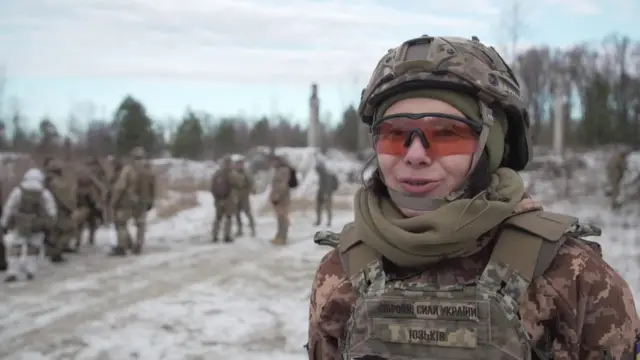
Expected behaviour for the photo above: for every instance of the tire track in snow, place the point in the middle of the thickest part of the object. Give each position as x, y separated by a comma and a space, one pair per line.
46, 318
51, 278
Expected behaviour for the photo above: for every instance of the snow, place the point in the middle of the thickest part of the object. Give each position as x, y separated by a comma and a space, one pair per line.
187, 298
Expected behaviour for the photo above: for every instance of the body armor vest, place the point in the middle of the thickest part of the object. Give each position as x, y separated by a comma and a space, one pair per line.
29, 217
404, 320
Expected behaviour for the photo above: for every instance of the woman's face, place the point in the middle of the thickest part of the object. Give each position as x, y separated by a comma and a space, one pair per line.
438, 155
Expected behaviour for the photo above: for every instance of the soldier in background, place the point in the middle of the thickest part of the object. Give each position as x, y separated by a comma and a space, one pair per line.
31, 210
616, 168
327, 185
132, 198
246, 187
284, 179
224, 184
91, 200
58, 240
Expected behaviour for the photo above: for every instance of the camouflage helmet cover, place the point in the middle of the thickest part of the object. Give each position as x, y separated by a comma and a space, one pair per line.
226, 161
53, 165
138, 152
455, 64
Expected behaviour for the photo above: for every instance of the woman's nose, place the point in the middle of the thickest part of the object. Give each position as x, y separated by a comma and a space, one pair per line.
416, 154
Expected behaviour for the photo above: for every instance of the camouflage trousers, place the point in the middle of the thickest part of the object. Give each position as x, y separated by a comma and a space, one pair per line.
615, 181
124, 239
282, 217
225, 209
244, 207
58, 240
22, 253
87, 218
324, 203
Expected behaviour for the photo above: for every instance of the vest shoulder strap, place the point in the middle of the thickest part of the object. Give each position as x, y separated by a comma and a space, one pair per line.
528, 242
354, 254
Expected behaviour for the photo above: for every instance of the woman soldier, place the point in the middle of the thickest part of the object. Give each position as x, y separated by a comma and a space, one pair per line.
447, 258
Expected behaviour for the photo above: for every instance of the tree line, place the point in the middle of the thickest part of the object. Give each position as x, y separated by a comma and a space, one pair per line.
598, 84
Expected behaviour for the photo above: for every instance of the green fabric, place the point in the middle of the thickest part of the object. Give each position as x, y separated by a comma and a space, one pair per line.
452, 230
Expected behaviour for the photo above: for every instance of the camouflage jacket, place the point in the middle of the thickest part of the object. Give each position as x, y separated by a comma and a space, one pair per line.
133, 187
589, 306
617, 166
91, 191
280, 190
244, 182
324, 183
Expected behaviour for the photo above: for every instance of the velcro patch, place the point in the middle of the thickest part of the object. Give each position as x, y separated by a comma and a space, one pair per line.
454, 337
432, 310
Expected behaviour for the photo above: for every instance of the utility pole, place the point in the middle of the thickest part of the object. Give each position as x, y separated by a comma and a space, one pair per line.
558, 118
314, 117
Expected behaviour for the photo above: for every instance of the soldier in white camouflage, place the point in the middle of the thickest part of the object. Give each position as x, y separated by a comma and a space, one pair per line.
30, 210
132, 198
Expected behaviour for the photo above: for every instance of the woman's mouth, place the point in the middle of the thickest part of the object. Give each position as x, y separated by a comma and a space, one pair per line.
419, 186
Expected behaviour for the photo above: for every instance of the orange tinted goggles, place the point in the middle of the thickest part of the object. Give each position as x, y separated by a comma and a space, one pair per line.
440, 134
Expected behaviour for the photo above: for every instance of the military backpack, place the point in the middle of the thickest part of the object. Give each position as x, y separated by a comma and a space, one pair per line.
293, 177
221, 185
30, 217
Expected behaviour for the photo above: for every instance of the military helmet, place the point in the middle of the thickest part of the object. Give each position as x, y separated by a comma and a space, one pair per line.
138, 152
54, 165
456, 64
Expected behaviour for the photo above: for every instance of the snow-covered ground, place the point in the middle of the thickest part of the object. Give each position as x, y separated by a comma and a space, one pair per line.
187, 298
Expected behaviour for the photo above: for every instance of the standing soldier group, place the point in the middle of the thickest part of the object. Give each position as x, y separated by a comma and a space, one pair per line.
232, 185
50, 208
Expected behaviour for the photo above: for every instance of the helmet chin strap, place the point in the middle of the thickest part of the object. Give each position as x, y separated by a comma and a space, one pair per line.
405, 200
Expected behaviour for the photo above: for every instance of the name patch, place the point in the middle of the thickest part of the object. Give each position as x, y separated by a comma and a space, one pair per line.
459, 337
430, 310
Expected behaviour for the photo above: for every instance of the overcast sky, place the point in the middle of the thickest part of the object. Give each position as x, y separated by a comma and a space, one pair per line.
250, 56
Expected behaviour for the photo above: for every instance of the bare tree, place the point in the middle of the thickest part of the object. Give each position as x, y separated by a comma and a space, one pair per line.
534, 66
512, 28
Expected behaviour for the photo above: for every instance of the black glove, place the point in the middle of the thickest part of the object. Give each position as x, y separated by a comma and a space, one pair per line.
5, 231
149, 206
